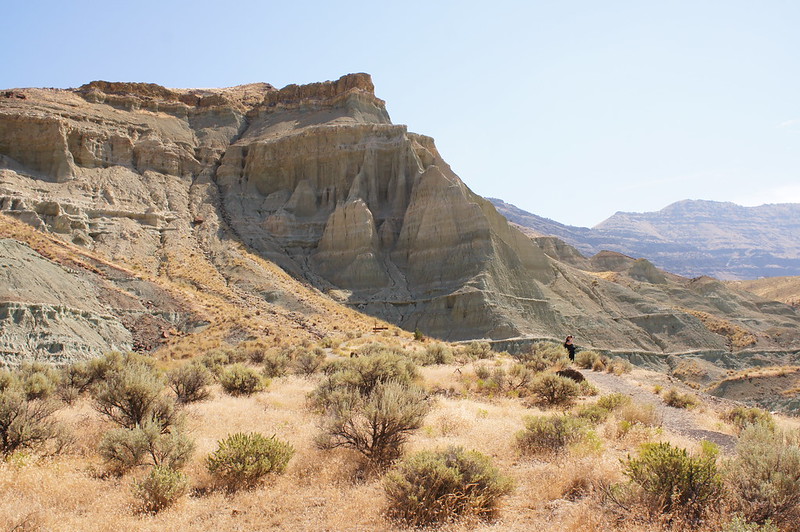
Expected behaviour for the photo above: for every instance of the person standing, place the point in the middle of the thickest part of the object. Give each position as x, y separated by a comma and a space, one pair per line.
570, 347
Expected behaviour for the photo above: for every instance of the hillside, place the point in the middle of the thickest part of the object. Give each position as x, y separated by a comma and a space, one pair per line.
783, 289
690, 238
218, 194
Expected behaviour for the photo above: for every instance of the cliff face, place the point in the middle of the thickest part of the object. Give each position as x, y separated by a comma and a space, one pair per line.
318, 180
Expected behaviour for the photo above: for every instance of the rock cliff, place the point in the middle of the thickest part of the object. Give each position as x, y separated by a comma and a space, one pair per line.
197, 187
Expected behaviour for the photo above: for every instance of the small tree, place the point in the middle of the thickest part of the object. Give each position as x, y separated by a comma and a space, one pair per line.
433, 487
376, 424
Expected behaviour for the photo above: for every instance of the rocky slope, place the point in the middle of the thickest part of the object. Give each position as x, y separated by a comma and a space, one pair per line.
690, 238
205, 191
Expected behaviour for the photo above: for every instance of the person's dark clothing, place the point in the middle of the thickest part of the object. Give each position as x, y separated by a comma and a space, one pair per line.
571, 349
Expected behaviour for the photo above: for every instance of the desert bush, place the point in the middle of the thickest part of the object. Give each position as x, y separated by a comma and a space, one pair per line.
160, 489
550, 434
483, 371
618, 366
133, 394
38, 380
637, 413
123, 449
673, 481
435, 487
600, 363
588, 389
242, 460
435, 353
475, 350
592, 413
276, 364
8, 380
190, 382
676, 399
542, 356
24, 423
554, 390
238, 379
764, 477
742, 416
739, 524
216, 360
586, 359
307, 361
362, 374
614, 401
375, 424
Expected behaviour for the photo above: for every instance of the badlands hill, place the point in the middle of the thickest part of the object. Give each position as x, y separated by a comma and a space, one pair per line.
188, 216
690, 238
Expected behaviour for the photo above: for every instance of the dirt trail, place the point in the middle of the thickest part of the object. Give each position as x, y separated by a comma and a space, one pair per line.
678, 420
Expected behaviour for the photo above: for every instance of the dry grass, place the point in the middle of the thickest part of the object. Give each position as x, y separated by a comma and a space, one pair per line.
325, 490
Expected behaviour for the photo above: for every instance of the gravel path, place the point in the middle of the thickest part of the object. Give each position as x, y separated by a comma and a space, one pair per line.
678, 420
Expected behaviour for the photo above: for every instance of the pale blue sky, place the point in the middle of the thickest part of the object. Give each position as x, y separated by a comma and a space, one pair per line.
572, 110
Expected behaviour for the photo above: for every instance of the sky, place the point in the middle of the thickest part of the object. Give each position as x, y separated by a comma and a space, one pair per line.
572, 110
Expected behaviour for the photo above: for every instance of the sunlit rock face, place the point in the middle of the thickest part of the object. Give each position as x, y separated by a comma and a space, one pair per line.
317, 179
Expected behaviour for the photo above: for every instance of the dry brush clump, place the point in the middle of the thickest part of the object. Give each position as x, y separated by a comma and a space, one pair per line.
763, 479
243, 460
239, 379
550, 434
160, 489
437, 487
370, 404
668, 480
190, 382
741, 416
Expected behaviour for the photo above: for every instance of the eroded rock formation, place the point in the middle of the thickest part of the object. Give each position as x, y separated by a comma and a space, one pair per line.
318, 180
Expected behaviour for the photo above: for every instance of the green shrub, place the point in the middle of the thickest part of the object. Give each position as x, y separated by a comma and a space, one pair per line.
25, 424
554, 390
549, 434
614, 401
742, 416
238, 379
676, 399
375, 424
588, 389
132, 394
586, 359
124, 449
190, 382
674, 481
435, 487
160, 489
276, 364
764, 477
242, 460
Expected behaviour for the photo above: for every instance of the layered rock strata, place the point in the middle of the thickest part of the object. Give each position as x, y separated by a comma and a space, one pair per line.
318, 180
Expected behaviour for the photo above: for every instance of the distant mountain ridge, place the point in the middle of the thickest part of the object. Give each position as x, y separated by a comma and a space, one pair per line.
689, 237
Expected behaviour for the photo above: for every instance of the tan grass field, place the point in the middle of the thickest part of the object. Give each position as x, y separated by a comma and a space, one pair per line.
323, 490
